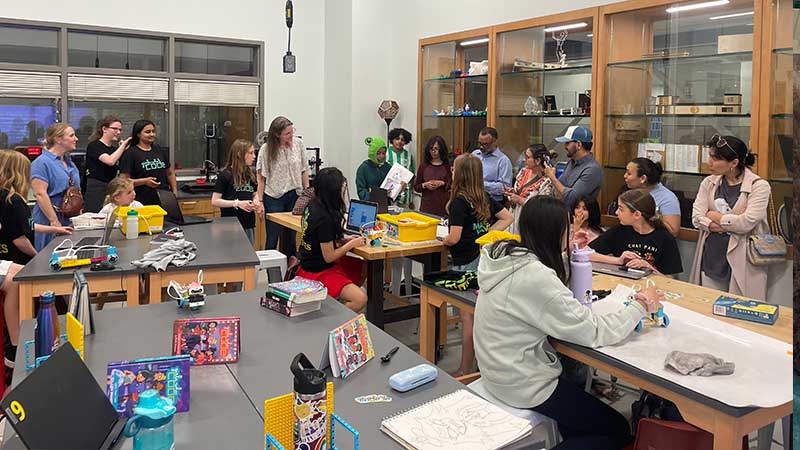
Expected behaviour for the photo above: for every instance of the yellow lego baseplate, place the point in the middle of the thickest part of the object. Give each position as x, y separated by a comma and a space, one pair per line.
279, 417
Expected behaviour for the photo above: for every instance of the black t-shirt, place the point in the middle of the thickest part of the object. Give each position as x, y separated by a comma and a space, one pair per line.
15, 222
231, 191
316, 227
462, 214
659, 247
138, 163
98, 169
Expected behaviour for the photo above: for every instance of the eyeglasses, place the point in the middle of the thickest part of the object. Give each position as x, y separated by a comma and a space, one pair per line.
485, 144
720, 142
117, 129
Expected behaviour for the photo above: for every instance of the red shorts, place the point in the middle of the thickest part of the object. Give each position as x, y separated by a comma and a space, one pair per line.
344, 271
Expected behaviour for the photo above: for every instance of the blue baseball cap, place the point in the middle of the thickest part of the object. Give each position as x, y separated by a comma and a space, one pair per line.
576, 133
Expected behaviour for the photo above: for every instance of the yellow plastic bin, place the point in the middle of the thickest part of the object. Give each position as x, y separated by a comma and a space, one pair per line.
151, 218
496, 235
410, 226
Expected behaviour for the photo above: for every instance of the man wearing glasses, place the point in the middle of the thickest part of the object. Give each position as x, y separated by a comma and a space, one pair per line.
496, 165
583, 174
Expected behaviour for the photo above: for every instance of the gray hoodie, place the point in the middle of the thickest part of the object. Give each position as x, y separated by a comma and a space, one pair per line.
520, 304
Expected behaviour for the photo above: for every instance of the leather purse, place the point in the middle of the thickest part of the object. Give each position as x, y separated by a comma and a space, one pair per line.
72, 201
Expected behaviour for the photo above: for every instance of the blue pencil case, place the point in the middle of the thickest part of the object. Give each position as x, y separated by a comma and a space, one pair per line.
408, 379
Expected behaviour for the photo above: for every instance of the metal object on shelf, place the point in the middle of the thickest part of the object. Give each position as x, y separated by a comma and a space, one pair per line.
666, 99
665, 54
707, 108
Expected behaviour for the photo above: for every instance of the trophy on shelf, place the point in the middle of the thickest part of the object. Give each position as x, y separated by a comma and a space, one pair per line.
532, 106
562, 55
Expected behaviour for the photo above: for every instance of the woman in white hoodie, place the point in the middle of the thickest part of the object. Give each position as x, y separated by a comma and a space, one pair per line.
524, 300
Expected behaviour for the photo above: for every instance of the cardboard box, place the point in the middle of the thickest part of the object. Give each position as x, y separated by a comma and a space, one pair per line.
731, 43
751, 310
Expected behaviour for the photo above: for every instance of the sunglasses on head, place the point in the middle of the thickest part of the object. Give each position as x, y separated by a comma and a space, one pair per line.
720, 142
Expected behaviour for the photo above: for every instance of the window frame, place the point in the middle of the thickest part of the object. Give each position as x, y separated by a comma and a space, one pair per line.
65, 69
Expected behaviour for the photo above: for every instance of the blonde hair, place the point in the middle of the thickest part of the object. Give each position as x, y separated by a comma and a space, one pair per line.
241, 172
468, 183
116, 186
15, 174
55, 130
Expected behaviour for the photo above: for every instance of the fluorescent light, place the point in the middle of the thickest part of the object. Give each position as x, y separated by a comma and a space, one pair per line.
474, 42
728, 16
589, 35
675, 9
566, 27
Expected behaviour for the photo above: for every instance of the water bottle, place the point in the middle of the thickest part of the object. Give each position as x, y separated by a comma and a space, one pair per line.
47, 337
151, 426
132, 224
581, 275
310, 405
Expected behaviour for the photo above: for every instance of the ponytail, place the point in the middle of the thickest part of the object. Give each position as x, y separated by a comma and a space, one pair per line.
641, 200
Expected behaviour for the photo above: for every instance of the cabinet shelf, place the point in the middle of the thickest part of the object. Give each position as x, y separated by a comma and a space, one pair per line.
544, 116
783, 51
720, 57
583, 68
633, 116
453, 116
453, 79
782, 116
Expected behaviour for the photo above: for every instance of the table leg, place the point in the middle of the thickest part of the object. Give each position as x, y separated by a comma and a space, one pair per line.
154, 286
132, 289
427, 326
25, 301
249, 282
375, 292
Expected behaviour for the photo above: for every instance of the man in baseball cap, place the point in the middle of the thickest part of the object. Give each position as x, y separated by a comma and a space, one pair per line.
583, 175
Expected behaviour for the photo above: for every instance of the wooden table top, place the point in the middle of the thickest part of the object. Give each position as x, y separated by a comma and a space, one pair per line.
288, 220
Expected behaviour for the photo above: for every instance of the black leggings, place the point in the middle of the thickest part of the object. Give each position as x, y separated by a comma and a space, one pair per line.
585, 422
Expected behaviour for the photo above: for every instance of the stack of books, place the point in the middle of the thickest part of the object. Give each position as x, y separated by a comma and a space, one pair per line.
295, 297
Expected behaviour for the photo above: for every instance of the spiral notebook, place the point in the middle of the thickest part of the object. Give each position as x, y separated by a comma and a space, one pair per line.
457, 421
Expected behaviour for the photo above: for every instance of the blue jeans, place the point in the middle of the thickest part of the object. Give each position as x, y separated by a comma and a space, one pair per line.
471, 266
283, 204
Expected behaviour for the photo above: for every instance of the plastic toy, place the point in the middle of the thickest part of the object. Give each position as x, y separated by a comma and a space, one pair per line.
656, 319
191, 296
82, 256
374, 232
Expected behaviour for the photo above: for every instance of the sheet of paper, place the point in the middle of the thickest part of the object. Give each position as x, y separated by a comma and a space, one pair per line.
394, 179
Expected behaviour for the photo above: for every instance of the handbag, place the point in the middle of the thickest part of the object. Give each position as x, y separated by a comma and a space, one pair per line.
72, 201
302, 202
767, 248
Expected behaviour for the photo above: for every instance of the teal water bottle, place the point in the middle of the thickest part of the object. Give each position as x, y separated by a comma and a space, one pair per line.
151, 426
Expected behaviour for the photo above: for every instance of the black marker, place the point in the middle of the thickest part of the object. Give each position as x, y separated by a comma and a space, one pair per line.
388, 357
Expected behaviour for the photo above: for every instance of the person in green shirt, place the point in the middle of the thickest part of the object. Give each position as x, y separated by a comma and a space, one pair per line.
398, 138
373, 170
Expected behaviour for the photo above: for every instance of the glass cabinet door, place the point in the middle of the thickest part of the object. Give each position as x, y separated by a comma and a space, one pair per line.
544, 84
676, 75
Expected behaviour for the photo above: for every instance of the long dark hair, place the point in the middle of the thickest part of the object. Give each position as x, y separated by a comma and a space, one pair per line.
652, 170
543, 225
593, 210
328, 188
733, 148
137, 128
102, 123
540, 152
641, 200
443, 154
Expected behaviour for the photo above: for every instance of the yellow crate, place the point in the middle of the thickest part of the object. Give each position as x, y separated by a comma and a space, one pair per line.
496, 235
410, 226
151, 218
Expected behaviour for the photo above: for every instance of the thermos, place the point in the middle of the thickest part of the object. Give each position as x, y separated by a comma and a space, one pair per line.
132, 224
310, 405
581, 275
47, 337
151, 426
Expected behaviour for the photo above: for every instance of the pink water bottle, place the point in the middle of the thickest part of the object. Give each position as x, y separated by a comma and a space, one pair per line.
580, 281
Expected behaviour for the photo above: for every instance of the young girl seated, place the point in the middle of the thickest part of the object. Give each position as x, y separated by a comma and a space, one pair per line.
640, 240
586, 218
119, 193
236, 187
524, 299
472, 214
322, 229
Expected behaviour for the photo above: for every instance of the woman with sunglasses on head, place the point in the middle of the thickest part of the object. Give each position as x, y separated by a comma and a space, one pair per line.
640, 241
101, 161
731, 205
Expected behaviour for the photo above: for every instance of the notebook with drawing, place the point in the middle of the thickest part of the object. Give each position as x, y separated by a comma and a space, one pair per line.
457, 421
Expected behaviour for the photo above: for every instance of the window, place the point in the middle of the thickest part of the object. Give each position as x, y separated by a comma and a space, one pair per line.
216, 59
83, 117
23, 121
25, 45
231, 123
116, 52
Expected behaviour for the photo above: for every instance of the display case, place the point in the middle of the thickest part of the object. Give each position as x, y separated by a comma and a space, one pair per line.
782, 27
676, 74
543, 80
454, 88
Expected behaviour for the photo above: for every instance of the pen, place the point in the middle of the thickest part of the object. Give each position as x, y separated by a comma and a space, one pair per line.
388, 357
630, 269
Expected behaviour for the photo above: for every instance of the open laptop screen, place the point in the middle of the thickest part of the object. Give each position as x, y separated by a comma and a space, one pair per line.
360, 213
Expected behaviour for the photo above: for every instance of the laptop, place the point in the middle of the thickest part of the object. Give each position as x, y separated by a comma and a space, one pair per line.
620, 271
96, 240
381, 197
60, 405
360, 212
170, 204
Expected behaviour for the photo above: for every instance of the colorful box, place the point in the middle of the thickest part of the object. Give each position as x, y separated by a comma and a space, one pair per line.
751, 310
410, 226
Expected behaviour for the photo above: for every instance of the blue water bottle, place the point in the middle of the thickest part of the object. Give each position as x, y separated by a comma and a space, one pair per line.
151, 426
48, 335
